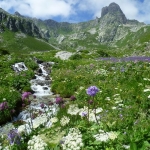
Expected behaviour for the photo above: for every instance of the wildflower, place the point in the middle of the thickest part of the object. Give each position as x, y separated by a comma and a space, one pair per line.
90, 102
73, 141
84, 114
25, 95
92, 90
50, 103
146, 90
73, 109
36, 143
113, 107
72, 98
3, 105
23, 105
148, 96
59, 100
112, 135
14, 137
42, 105
54, 119
102, 136
64, 120
13, 111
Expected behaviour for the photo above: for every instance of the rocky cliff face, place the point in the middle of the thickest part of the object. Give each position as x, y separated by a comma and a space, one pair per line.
109, 28
18, 23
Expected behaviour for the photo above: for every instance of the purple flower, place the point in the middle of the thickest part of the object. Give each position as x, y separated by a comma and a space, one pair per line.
14, 137
90, 102
13, 111
50, 103
72, 98
84, 114
3, 105
59, 100
92, 90
25, 95
23, 105
42, 105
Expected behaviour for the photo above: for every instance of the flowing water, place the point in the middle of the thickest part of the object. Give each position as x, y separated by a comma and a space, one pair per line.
42, 91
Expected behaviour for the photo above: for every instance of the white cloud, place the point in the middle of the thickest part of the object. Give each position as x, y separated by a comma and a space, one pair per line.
45, 9
39, 8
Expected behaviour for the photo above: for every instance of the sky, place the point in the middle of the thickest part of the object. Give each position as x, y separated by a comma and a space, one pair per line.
74, 11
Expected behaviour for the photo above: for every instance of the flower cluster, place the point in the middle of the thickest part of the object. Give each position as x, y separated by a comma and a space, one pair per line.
25, 128
14, 137
25, 98
36, 143
3, 106
92, 90
1, 146
73, 141
40, 120
105, 136
54, 119
64, 120
25, 95
73, 109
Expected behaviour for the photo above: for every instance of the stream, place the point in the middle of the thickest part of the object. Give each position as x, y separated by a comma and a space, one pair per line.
34, 114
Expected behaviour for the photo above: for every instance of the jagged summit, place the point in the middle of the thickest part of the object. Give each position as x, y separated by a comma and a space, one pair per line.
17, 14
114, 10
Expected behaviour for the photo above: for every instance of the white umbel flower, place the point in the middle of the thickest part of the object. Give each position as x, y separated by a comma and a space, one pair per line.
64, 120
73, 141
36, 143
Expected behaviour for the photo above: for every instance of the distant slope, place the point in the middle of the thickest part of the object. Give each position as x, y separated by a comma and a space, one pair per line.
17, 41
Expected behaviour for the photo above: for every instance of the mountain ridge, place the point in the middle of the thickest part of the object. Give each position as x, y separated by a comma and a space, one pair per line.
111, 29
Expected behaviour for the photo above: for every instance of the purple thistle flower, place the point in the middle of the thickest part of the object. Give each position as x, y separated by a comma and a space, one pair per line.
14, 137
50, 103
23, 105
3, 105
72, 98
13, 111
42, 105
59, 100
92, 90
25, 95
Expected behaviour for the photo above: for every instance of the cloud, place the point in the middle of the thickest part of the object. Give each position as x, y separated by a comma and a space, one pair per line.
39, 8
73, 9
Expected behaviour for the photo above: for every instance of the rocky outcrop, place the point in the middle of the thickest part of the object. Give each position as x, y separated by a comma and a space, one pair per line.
18, 23
114, 10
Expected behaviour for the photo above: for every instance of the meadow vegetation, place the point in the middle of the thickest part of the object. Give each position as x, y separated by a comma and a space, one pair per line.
103, 105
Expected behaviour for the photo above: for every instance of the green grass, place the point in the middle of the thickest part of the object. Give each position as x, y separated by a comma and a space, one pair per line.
25, 44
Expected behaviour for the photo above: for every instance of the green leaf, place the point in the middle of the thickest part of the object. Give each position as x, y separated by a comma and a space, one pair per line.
133, 146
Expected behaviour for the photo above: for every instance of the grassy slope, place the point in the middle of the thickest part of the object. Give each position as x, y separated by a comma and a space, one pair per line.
22, 44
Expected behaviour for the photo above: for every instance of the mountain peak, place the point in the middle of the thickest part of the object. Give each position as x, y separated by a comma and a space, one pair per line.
115, 10
17, 14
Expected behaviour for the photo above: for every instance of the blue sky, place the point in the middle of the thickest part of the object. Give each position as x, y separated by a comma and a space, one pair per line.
76, 10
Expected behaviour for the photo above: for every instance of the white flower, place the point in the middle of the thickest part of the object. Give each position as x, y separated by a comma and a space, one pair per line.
112, 135
146, 79
73, 141
54, 119
105, 136
73, 109
114, 107
64, 120
126, 146
102, 136
146, 90
98, 110
36, 143
148, 96
107, 98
